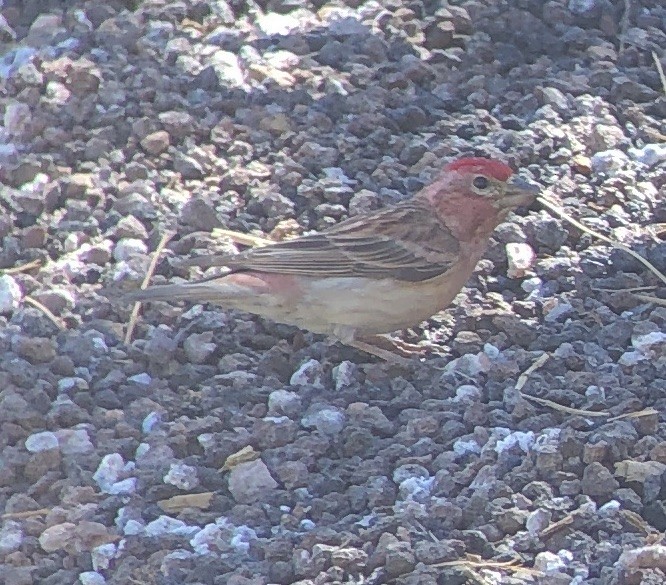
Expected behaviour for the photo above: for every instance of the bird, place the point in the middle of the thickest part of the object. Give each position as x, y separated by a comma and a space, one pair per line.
373, 273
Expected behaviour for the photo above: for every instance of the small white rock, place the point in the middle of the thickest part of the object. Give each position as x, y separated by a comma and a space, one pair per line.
650, 154
344, 374
102, 556
165, 525
11, 537
520, 258
467, 393
309, 373
283, 402
150, 422
523, 439
126, 486
631, 358
538, 520
91, 578
44, 441
10, 295
71, 383
608, 161
74, 441
109, 473
328, 420
133, 527
548, 563
183, 476
143, 379
647, 341
128, 247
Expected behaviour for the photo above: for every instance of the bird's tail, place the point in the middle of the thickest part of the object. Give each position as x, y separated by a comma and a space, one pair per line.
200, 292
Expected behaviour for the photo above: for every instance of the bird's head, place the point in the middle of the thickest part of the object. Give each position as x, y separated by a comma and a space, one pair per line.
473, 195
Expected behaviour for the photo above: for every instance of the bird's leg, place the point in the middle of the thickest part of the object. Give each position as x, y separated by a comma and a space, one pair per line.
396, 346
376, 345
385, 354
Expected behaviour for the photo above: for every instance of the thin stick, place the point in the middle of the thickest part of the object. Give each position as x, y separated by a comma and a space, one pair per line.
57, 322
624, 23
562, 408
559, 525
634, 289
638, 414
25, 514
151, 269
242, 238
555, 209
660, 70
22, 268
512, 565
651, 299
522, 379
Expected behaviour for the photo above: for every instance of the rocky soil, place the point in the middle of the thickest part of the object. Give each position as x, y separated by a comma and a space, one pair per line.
218, 448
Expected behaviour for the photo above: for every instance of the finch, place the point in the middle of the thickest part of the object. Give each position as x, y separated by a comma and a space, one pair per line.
373, 273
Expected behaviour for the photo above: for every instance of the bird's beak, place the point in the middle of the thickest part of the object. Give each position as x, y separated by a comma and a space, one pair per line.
519, 192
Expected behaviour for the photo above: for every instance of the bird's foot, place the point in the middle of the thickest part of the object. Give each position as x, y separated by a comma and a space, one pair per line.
390, 349
385, 354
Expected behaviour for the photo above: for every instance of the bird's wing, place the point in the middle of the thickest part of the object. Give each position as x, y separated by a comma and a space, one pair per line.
404, 242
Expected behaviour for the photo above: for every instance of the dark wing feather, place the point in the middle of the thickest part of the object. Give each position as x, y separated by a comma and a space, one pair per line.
404, 242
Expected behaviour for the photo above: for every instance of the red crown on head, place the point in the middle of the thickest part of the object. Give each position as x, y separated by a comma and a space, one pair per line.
485, 166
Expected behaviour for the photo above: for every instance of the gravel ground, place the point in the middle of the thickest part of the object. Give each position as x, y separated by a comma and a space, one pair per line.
217, 448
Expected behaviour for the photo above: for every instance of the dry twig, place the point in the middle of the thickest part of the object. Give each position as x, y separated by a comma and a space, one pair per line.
540, 361
480, 564
522, 379
556, 209
151, 269
55, 320
22, 268
651, 299
241, 238
624, 23
25, 514
660, 70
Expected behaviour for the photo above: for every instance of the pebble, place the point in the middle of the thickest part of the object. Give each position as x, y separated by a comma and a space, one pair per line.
284, 402
11, 537
608, 161
184, 477
467, 393
345, 374
520, 257
43, 441
650, 154
102, 556
199, 346
151, 421
308, 373
165, 526
109, 475
326, 419
538, 520
634, 560
248, 482
126, 248
10, 295
91, 578
155, 143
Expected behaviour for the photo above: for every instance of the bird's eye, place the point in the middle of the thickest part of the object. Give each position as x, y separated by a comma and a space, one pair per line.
481, 182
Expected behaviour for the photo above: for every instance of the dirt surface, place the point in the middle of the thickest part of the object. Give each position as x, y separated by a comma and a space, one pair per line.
305, 461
